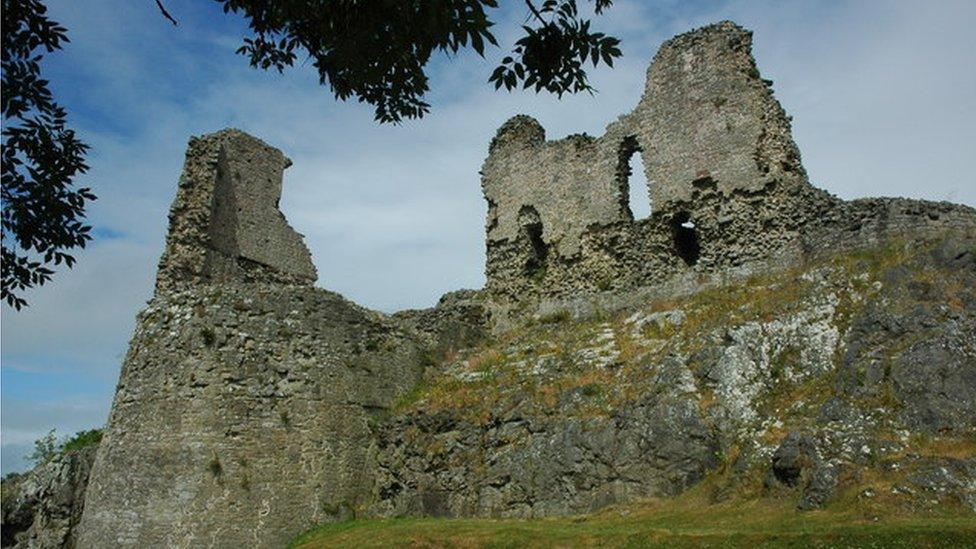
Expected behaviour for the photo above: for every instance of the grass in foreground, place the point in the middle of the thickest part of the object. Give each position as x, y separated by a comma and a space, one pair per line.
686, 521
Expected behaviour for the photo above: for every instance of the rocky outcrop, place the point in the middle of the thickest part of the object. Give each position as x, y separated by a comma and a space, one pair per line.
42, 507
918, 346
521, 465
794, 385
798, 463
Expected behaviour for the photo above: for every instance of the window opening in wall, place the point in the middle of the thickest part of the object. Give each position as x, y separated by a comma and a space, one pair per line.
632, 179
685, 238
531, 224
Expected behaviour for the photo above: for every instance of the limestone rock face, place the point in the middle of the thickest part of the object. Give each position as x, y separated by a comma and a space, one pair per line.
794, 385
934, 374
42, 507
522, 465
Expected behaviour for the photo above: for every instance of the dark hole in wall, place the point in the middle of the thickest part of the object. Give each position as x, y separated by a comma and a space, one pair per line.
538, 250
492, 214
685, 238
632, 180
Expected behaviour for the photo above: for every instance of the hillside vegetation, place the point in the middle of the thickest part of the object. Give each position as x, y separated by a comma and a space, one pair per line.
824, 405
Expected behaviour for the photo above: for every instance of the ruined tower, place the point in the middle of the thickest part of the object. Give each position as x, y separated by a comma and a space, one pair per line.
241, 414
225, 224
726, 182
728, 192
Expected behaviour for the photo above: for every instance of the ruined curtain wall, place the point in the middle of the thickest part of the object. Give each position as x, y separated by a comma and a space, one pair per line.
727, 189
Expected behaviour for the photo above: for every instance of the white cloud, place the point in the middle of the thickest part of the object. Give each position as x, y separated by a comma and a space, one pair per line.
882, 95
27, 420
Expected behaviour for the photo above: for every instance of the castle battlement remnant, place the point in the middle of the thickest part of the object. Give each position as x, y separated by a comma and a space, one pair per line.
242, 410
225, 223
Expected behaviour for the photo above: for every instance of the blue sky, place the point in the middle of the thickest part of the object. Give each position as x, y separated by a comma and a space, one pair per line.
883, 97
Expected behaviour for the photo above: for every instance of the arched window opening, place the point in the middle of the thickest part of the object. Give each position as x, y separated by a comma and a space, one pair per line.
538, 250
685, 238
632, 180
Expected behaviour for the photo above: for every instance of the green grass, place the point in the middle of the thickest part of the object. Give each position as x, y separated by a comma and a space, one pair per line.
687, 521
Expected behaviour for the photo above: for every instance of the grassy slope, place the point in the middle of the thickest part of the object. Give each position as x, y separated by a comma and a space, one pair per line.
501, 363
696, 518
687, 521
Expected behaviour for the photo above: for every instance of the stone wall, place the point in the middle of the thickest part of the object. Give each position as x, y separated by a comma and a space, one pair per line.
707, 113
242, 417
225, 224
727, 189
458, 321
242, 412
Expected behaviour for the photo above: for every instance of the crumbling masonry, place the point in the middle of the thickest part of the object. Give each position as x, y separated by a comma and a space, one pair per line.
727, 189
247, 402
241, 415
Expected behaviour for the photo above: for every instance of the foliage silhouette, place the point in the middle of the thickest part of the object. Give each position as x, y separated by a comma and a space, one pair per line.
43, 213
377, 51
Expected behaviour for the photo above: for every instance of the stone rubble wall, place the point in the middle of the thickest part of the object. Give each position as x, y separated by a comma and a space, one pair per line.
242, 417
727, 188
706, 112
868, 221
457, 322
224, 222
242, 412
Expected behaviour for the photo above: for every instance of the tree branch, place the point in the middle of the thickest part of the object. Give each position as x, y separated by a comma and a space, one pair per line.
166, 13
534, 11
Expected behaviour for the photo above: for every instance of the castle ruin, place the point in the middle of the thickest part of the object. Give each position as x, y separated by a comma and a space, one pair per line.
245, 409
726, 185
